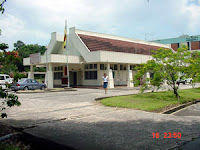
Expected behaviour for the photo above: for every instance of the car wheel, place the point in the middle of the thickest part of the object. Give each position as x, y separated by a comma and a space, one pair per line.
42, 88
25, 88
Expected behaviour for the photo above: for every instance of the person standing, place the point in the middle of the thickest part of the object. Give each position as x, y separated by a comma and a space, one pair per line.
105, 82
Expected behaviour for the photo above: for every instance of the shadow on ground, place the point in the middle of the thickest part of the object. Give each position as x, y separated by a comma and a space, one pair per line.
90, 133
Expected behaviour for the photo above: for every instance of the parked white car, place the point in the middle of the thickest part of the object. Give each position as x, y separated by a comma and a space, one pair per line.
5, 79
184, 81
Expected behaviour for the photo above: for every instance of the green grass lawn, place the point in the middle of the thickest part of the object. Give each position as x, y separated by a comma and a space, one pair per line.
156, 102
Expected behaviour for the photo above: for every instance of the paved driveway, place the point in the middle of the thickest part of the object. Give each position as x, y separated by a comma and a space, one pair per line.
75, 119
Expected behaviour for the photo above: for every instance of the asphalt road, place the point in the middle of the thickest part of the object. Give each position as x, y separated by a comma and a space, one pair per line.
74, 119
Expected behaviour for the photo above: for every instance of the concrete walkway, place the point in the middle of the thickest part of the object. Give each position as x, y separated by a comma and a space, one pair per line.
74, 119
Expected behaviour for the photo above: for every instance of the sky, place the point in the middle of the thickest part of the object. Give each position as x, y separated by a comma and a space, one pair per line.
33, 21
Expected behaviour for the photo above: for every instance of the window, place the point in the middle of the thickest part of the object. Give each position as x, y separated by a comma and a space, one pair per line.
90, 75
188, 45
22, 80
132, 67
95, 66
112, 66
102, 67
7, 77
91, 66
178, 45
58, 75
115, 67
151, 75
122, 67
60, 68
86, 66
29, 81
1, 77
34, 81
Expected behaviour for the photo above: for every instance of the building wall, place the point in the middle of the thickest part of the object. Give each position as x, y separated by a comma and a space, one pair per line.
195, 45
118, 57
120, 76
183, 40
174, 46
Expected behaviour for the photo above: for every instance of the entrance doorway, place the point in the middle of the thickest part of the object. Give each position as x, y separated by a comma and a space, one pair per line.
74, 78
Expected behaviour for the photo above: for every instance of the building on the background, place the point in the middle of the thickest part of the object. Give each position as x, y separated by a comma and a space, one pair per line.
192, 42
90, 55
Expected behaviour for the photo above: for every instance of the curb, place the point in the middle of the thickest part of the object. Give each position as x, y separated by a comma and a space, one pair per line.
100, 98
45, 91
180, 107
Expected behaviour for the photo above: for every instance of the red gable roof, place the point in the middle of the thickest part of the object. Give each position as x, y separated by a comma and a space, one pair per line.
98, 43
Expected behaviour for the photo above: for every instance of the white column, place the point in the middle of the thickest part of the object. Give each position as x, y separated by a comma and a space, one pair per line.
31, 73
110, 77
49, 77
148, 76
129, 77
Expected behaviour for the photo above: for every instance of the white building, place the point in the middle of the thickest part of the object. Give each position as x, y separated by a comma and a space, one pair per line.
90, 55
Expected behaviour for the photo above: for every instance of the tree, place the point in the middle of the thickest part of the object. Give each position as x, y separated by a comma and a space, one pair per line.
9, 100
1, 6
3, 46
166, 65
18, 44
194, 67
9, 61
26, 50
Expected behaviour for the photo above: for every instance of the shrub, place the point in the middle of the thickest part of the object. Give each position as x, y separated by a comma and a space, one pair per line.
18, 76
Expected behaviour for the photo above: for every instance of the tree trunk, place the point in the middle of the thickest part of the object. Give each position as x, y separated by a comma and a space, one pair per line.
176, 93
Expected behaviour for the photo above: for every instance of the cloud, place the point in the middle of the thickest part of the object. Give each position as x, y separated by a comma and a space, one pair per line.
10, 25
191, 10
32, 21
13, 29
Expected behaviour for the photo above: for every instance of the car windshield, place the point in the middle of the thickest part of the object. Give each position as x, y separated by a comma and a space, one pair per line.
1, 77
21, 80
